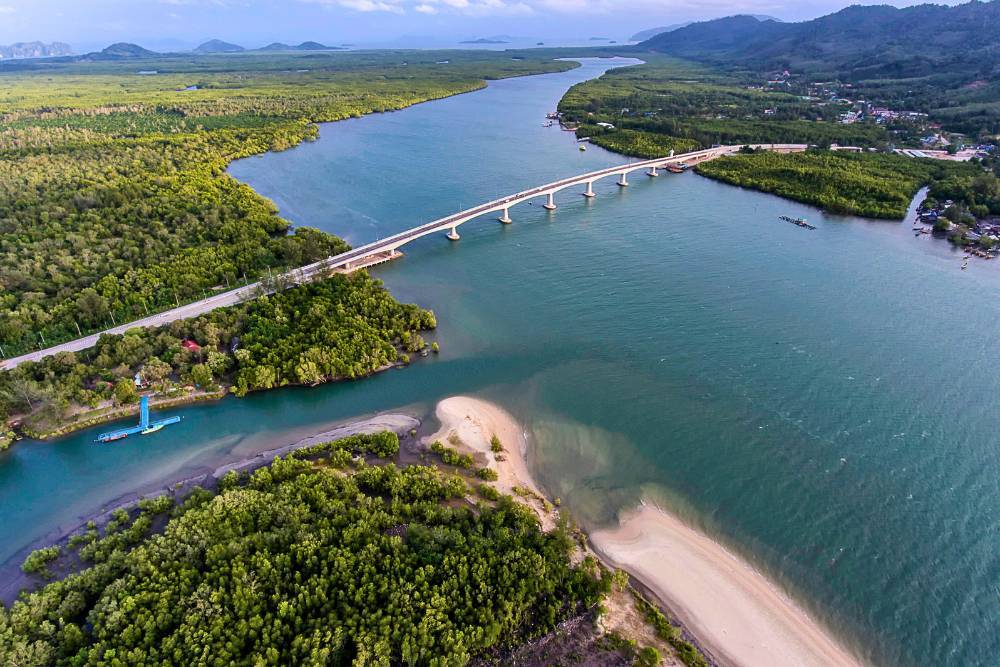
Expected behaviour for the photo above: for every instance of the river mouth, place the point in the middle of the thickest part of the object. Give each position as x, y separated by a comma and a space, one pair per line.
805, 396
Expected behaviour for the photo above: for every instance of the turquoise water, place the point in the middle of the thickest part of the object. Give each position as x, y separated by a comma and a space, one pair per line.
823, 401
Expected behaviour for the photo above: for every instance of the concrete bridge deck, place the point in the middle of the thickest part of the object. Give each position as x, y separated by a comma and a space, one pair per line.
387, 249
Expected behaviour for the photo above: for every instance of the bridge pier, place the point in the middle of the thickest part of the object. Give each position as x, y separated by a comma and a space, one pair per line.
505, 218
590, 190
550, 204
623, 181
453, 234
652, 171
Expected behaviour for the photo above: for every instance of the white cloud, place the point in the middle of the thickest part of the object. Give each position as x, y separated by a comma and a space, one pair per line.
392, 6
7, 9
458, 7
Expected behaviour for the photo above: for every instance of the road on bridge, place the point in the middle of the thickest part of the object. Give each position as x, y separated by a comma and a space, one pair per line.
384, 246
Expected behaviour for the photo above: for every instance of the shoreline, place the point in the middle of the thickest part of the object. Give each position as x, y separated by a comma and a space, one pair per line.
722, 605
730, 611
121, 413
740, 615
12, 580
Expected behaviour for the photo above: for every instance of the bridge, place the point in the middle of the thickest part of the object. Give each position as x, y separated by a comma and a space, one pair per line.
387, 249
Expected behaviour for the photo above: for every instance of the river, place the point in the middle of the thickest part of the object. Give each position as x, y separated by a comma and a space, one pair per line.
821, 401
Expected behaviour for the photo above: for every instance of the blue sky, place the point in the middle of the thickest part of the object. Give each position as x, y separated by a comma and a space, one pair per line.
179, 24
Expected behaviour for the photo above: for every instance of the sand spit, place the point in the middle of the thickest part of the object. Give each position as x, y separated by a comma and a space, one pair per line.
469, 424
742, 618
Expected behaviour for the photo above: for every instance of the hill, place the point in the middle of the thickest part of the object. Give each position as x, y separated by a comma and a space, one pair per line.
643, 35
304, 46
119, 51
935, 59
653, 32
218, 46
35, 50
859, 41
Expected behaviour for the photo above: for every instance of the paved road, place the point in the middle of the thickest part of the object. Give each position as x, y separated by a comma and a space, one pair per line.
380, 247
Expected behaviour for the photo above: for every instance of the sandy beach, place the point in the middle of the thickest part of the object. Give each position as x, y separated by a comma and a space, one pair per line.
742, 617
475, 422
736, 613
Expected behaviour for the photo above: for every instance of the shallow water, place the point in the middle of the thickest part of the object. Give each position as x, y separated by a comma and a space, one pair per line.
823, 401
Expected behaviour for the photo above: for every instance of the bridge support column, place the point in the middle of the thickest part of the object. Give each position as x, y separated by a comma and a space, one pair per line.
623, 181
652, 171
505, 218
550, 204
393, 253
590, 190
453, 234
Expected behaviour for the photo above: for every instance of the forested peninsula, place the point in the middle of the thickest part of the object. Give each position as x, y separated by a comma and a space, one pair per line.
333, 555
115, 203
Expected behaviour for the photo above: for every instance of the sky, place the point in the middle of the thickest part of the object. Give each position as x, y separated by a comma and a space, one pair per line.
183, 24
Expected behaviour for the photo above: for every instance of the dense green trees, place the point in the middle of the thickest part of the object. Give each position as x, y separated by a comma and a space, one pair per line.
302, 564
874, 185
114, 201
343, 327
974, 191
670, 104
637, 143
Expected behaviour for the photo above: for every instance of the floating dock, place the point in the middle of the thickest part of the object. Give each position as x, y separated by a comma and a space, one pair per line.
145, 427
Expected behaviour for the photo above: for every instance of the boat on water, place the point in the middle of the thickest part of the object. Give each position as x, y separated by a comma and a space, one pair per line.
152, 429
678, 168
799, 222
582, 147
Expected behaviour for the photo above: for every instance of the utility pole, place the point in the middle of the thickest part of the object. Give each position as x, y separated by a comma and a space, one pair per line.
42, 337
113, 320
78, 332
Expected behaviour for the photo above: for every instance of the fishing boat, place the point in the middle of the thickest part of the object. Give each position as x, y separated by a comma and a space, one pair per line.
582, 147
676, 168
152, 429
799, 222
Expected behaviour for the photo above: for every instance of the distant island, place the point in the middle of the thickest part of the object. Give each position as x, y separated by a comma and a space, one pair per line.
120, 51
304, 46
485, 40
35, 50
218, 46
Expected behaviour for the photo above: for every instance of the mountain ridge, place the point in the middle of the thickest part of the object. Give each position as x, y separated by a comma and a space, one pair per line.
875, 41
34, 49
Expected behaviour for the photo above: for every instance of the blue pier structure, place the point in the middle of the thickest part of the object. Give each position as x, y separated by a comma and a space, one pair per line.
145, 427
